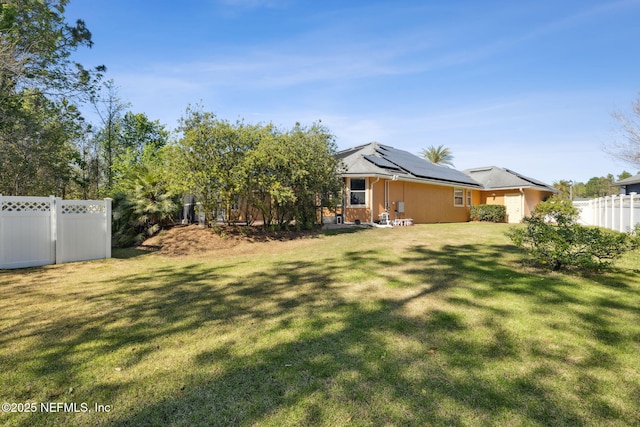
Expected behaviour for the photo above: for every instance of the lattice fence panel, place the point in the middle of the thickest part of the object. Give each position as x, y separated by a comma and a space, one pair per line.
25, 206
37, 231
83, 209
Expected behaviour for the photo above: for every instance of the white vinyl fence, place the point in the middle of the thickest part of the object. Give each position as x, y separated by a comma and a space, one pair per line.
619, 213
38, 231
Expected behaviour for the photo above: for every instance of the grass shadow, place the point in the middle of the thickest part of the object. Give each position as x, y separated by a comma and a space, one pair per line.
346, 229
449, 335
133, 252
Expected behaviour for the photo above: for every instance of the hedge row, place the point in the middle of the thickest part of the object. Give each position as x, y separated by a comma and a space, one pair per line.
490, 213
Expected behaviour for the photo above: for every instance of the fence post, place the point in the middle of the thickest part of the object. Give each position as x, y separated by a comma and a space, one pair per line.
606, 212
621, 216
56, 227
599, 203
610, 213
107, 219
632, 223
613, 213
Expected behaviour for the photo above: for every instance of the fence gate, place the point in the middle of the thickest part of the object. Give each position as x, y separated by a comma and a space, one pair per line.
37, 231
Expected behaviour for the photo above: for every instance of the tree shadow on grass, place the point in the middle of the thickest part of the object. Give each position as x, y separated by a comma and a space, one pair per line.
310, 353
133, 252
351, 229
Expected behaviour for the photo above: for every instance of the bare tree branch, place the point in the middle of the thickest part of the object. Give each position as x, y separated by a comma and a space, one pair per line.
627, 147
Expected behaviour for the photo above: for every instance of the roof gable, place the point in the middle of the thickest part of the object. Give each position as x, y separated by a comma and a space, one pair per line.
495, 178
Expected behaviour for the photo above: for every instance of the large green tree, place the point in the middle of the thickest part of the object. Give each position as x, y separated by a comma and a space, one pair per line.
284, 177
600, 186
597, 186
122, 142
36, 147
624, 175
292, 175
37, 43
38, 122
565, 187
209, 159
141, 137
143, 202
268, 177
137, 145
316, 175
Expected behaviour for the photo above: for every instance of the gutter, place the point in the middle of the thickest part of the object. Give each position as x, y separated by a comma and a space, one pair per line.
532, 187
417, 180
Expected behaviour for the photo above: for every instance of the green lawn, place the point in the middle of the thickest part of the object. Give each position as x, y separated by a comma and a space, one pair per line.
424, 325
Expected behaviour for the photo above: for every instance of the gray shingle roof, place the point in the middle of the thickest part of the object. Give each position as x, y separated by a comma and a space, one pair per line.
495, 178
383, 160
631, 180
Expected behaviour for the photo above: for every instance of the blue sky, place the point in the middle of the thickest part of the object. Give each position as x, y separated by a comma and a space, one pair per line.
527, 85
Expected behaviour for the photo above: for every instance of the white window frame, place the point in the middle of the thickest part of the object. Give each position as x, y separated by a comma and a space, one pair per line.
469, 197
363, 191
458, 193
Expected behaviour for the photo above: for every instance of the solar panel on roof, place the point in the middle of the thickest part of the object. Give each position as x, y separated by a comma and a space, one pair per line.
526, 178
381, 162
421, 167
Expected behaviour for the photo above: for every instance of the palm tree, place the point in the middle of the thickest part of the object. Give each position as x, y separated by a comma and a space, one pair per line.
142, 207
440, 155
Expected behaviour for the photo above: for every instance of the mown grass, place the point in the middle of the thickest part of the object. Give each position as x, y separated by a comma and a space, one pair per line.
424, 325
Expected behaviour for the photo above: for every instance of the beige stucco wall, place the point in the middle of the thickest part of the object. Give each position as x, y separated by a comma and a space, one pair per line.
424, 203
531, 198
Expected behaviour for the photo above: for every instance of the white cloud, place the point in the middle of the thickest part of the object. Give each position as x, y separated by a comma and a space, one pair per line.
356, 68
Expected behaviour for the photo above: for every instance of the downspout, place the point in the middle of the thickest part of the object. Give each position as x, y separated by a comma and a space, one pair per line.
386, 195
371, 200
522, 202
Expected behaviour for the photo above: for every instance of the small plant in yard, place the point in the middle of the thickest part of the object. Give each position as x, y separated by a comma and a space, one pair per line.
558, 211
553, 238
489, 213
220, 231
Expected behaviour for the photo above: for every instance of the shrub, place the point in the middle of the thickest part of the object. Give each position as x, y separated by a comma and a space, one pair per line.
557, 210
490, 213
142, 209
567, 243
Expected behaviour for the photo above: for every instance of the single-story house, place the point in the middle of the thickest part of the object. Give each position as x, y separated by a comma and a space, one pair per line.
518, 193
629, 185
381, 179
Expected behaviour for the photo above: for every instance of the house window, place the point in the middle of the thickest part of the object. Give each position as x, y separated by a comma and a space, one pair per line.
469, 198
357, 192
458, 197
